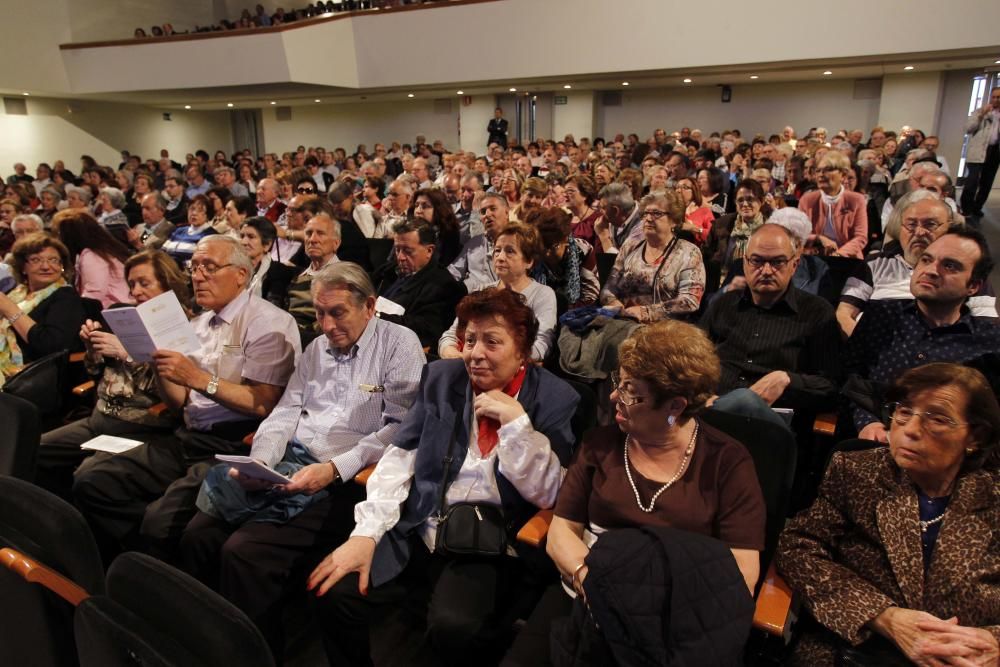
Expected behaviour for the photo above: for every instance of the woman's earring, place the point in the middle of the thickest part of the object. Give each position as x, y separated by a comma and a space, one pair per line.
969, 451
671, 420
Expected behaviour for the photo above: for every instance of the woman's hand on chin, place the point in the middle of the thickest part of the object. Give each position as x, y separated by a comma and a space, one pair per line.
497, 405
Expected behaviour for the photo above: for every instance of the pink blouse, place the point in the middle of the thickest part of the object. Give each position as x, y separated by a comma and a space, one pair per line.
96, 279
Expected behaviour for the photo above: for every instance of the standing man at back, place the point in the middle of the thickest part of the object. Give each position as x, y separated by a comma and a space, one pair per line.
497, 129
982, 155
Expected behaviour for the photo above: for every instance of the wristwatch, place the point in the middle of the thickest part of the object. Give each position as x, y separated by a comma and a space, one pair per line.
213, 386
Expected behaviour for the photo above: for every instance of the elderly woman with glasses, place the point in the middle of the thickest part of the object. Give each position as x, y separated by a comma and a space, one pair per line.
659, 275
898, 556
730, 235
839, 216
659, 465
43, 313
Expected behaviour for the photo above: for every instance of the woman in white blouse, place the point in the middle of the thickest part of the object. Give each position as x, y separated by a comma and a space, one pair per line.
491, 430
517, 249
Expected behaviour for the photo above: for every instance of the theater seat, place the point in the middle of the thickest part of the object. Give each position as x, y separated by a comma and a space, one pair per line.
156, 615
20, 433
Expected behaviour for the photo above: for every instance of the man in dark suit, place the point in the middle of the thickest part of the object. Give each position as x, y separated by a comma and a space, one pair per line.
418, 283
497, 129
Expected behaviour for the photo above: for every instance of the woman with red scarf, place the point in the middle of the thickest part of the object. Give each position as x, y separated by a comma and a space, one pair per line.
490, 434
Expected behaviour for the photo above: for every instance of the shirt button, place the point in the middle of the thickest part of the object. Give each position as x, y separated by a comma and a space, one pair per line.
921, 355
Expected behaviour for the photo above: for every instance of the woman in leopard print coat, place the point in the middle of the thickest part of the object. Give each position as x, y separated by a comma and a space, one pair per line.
903, 543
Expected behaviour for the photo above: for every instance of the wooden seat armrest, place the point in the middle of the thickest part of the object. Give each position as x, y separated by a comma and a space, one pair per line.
534, 531
159, 409
34, 572
825, 423
84, 389
77, 357
774, 613
362, 477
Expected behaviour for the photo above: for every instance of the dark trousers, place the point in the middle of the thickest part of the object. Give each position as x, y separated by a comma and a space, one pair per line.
257, 566
979, 181
533, 644
465, 601
59, 452
143, 498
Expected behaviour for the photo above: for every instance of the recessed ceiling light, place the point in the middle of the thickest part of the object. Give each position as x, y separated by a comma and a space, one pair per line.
687, 80
229, 104
273, 103
187, 106
908, 67
513, 90
567, 86
460, 92
410, 95
827, 73
317, 101
753, 76
995, 62
624, 83
26, 94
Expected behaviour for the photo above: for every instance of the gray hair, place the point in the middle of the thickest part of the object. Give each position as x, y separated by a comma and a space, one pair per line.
29, 217
910, 199
494, 195
174, 175
345, 275
617, 194
334, 225
158, 198
116, 196
227, 170
238, 256
84, 193
796, 222
129, 176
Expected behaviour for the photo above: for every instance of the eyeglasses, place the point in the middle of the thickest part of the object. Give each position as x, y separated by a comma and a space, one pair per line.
758, 263
207, 269
746, 200
926, 225
625, 397
423, 204
933, 423
654, 215
685, 187
50, 261
305, 190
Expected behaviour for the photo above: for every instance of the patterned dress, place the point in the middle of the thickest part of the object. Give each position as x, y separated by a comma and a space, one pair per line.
670, 284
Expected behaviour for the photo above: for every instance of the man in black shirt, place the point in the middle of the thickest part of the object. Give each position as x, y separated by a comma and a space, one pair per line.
497, 129
777, 341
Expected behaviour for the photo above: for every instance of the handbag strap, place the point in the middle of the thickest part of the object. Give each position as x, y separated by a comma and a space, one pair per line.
446, 465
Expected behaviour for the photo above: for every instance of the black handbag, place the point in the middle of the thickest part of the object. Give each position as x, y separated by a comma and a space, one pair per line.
875, 651
468, 529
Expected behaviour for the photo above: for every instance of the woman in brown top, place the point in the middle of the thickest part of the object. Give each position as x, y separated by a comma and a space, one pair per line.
659, 466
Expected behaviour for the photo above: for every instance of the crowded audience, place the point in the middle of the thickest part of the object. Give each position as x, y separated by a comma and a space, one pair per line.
450, 323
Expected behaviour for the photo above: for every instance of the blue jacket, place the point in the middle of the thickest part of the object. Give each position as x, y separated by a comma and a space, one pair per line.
438, 418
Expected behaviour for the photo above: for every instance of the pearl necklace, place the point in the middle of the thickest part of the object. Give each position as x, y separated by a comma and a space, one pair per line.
924, 525
677, 475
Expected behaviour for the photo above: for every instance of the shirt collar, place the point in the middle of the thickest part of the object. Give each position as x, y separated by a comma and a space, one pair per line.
229, 311
789, 298
965, 318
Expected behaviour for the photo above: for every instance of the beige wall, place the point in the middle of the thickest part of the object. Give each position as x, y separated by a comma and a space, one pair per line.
763, 109
475, 117
576, 117
347, 125
912, 99
50, 132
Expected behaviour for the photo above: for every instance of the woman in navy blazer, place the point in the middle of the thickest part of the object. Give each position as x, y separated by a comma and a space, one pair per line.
496, 429
839, 216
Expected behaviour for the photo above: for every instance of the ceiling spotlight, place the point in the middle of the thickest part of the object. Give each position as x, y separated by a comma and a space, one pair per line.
567, 86
410, 95
316, 101
26, 94
753, 76
273, 103
995, 62
827, 73
186, 106
460, 92
229, 104
908, 68
687, 80
513, 90
624, 83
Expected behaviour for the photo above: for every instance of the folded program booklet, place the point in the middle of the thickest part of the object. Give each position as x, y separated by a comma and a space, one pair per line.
158, 324
253, 468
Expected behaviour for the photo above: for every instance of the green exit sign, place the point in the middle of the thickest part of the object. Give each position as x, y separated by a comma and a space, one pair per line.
560, 99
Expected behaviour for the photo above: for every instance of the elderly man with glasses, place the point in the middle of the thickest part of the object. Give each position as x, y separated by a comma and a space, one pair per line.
143, 498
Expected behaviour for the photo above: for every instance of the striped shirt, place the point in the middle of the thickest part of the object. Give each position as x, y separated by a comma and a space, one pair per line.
346, 408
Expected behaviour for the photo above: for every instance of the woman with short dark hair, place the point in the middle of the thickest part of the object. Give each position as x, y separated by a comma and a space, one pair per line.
486, 439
